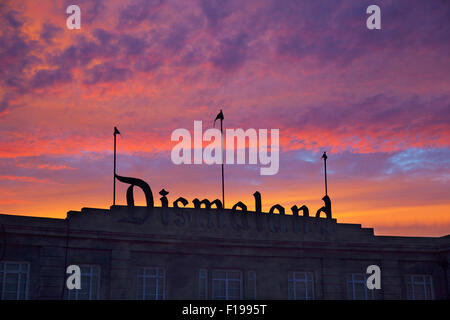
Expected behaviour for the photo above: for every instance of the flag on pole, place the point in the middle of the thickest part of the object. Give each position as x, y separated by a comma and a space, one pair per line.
324, 157
116, 132
219, 117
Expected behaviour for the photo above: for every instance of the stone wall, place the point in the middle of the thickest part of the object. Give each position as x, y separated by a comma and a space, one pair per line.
182, 241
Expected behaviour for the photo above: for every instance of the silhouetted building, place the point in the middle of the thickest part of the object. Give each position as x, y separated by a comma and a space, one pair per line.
185, 253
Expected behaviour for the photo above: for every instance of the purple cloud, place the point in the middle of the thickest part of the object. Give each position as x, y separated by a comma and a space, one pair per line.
132, 45
46, 78
232, 53
49, 32
106, 72
138, 12
215, 11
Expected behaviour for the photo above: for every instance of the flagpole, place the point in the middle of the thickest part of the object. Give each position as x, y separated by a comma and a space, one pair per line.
325, 167
223, 184
114, 177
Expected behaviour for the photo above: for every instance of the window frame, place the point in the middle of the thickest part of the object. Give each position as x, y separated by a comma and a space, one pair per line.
293, 280
368, 294
91, 275
4, 272
251, 277
227, 280
410, 283
143, 277
203, 284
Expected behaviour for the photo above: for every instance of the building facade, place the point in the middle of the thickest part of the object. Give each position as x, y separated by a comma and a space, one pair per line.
128, 252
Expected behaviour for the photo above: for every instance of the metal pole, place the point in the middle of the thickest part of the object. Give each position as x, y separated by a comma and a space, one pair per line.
223, 184
114, 179
325, 161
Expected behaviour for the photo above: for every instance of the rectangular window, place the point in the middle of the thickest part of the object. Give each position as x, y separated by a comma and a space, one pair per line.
14, 280
151, 284
251, 285
300, 285
419, 287
357, 287
203, 284
90, 284
227, 284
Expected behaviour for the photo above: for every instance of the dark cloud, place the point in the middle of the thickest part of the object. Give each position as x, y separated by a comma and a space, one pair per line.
132, 45
16, 55
318, 29
68, 58
215, 11
232, 53
147, 64
191, 58
383, 111
83, 51
379, 121
335, 32
47, 78
103, 36
138, 12
176, 39
111, 49
106, 72
108, 47
88, 50
49, 32
12, 19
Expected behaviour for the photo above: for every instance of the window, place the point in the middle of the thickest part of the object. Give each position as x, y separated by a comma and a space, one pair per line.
419, 287
203, 284
14, 280
300, 285
357, 287
90, 284
227, 285
251, 285
151, 284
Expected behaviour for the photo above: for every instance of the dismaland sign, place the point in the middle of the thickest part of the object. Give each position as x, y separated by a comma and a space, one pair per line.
215, 208
239, 209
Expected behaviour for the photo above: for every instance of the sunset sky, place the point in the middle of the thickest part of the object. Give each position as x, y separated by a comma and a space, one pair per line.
378, 101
